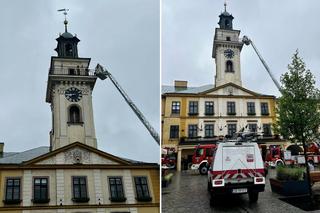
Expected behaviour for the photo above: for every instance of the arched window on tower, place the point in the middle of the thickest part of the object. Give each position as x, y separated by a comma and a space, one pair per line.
229, 66
74, 114
68, 50
226, 23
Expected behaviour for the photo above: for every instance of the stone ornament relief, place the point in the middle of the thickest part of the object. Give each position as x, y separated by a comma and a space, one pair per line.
76, 156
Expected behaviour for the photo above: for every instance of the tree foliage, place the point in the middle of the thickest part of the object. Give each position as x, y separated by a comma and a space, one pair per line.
298, 108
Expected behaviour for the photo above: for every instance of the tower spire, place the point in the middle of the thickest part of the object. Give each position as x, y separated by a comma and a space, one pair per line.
225, 5
65, 18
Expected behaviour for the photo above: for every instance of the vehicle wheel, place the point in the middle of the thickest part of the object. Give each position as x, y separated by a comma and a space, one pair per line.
203, 170
253, 197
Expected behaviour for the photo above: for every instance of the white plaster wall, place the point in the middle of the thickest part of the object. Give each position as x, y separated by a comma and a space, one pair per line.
128, 185
27, 190
60, 187
98, 186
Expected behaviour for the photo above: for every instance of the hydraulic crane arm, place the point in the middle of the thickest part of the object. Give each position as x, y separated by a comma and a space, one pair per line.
247, 41
102, 73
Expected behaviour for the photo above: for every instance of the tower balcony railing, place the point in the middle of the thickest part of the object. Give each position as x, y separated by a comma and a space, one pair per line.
74, 71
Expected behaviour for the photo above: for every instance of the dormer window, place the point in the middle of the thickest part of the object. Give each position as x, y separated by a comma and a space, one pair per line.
229, 66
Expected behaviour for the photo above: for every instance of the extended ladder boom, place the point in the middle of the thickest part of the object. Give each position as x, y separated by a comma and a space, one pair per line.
102, 73
248, 41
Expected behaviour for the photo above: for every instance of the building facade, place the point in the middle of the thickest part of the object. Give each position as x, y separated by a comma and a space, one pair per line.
72, 175
201, 115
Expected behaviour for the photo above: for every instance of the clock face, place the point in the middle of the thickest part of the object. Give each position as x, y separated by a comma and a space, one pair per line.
73, 94
228, 53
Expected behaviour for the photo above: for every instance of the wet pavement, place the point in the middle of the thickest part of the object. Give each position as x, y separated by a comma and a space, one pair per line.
188, 193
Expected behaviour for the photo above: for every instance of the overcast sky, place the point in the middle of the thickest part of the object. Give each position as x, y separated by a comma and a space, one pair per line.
122, 35
276, 27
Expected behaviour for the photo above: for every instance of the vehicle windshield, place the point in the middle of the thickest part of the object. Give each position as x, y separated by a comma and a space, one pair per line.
199, 152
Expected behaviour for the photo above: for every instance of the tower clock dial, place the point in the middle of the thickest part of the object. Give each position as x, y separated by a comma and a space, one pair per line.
228, 53
73, 94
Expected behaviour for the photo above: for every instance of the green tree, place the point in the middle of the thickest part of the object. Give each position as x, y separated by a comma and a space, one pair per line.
298, 108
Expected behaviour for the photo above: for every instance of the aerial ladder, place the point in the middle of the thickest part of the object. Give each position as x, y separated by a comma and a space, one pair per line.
248, 41
103, 74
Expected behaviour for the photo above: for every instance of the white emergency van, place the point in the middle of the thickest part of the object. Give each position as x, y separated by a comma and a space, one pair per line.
237, 168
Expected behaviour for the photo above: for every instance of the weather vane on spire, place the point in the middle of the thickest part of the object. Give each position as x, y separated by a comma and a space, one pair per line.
225, 5
65, 17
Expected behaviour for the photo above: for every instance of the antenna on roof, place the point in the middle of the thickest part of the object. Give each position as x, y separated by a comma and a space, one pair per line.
65, 17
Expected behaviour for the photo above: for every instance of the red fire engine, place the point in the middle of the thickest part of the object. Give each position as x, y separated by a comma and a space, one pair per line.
277, 156
168, 158
202, 158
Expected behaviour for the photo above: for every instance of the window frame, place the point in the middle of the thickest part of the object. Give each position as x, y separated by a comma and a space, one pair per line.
70, 120
251, 108
46, 199
269, 132
193, 129
193, 108
209, 107
117, 198
253, 124
80, 199
208, 130
174, 133
231, 108
12, 201
175, 107
229, 125
229, 66
144, 198
264, 108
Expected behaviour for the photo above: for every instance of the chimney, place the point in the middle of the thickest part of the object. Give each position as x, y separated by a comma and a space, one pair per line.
1, 149
180, 84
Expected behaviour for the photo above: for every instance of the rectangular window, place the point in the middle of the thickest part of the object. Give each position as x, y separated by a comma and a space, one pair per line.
175, 108
232, 129
192, 130
264, 109
267, 130
251, 110
12, 191
80, 189
231, 108
208, 130
174, 131
142, 189
252, 127
40, 190
193, 108
116, 189
209, 108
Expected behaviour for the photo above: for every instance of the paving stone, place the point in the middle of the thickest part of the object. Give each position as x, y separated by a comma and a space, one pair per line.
188, 193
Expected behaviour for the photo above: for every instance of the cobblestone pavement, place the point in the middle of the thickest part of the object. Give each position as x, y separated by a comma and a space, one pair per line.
188, 193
